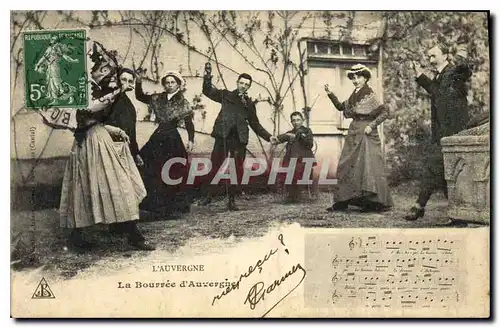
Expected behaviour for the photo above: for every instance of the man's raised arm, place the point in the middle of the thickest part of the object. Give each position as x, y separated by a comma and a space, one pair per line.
208, 89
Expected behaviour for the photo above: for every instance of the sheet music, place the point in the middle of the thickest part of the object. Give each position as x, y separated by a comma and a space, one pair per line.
396, 271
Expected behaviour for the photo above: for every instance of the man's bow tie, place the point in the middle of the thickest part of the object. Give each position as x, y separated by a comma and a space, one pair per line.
243, 97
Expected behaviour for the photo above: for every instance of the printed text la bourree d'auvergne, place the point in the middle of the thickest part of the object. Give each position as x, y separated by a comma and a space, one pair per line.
255, 294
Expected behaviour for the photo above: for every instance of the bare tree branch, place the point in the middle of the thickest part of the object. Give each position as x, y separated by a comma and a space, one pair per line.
245, 58
129, 44
16, 36
206, 31
188, 36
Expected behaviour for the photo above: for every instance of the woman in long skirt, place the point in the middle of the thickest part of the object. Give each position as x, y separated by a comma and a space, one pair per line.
101, 182
361, 171
170, 108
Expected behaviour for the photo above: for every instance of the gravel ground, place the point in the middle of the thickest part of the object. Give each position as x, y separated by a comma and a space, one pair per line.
258, 214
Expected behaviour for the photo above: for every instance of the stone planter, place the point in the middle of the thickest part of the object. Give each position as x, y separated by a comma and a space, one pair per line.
467, 172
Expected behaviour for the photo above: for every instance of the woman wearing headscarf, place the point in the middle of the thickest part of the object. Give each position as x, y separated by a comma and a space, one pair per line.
170, 108
361, 171
101, 183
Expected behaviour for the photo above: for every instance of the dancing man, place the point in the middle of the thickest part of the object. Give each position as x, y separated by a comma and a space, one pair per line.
449, 115
231, 128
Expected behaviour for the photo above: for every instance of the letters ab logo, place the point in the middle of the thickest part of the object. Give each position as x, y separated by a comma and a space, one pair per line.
43, 291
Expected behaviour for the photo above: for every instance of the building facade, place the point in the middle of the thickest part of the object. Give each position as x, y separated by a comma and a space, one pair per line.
322, 48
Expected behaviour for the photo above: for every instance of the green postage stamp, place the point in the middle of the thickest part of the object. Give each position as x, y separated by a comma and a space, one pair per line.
55, 69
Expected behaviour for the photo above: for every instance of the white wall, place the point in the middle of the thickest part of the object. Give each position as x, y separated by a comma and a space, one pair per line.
174, 56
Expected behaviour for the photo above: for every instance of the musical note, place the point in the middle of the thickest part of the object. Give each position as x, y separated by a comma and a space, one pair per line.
351, 244
419, 272
335, 278
335, 297
335, 261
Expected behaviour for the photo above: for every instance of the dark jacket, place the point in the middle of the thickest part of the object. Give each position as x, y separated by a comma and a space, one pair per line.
124, 116
236, 113
301, 146
448, 92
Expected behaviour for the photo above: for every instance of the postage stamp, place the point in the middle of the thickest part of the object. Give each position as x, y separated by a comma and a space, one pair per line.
55, 69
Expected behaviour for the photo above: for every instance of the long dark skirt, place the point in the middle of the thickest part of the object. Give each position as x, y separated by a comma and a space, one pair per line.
165, 143
361, 172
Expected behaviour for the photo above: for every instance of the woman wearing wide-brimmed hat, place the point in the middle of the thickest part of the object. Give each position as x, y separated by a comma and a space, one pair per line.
361, 172
170, 108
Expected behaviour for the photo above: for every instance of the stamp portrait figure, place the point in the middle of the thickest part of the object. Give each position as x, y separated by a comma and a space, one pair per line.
50, 64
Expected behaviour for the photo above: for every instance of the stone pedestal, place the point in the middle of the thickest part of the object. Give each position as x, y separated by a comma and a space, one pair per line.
467, 171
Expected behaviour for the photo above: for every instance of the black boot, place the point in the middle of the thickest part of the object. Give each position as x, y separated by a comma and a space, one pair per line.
141, 245
76, 239
136, 239
375, 208
231, 204
205, 201
115, 229
293, 195
338, 206
415, 213
454, 223
185, 208
290, 200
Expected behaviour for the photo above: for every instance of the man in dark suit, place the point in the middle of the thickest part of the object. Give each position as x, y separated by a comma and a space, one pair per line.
231, 128
124, 116
449, 115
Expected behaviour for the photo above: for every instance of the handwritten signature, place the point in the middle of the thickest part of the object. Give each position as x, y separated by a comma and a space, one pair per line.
251, 270
258, 291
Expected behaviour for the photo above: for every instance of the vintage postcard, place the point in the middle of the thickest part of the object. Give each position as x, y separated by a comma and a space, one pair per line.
250, 164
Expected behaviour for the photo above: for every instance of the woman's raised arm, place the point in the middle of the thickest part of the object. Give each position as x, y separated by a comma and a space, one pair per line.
336, 102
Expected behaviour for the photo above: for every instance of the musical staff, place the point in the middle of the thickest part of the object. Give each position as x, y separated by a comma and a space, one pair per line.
399, 273
432, 262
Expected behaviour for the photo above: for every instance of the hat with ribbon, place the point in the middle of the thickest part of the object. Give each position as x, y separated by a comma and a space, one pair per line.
359, 69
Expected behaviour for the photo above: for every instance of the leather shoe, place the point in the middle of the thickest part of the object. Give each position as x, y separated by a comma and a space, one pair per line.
339, 206
81, 244
376, 209
205, 201
454, 223
115, 230
76, 240
231, 205
142, 245
291, 200
415, 213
